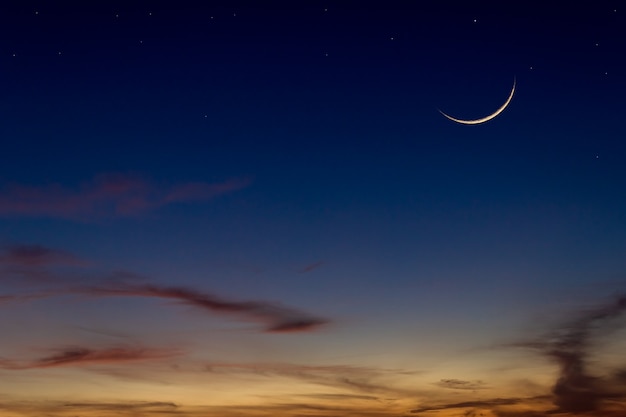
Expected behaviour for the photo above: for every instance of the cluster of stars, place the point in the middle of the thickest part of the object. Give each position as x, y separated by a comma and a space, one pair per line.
150, 13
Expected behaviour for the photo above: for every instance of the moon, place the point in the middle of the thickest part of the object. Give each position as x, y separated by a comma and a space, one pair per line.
486, 118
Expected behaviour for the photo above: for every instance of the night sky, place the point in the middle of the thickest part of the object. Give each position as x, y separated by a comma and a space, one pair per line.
257, 209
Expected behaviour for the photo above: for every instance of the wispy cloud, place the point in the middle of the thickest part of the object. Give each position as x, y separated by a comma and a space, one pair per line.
107, 195
469, 404
22, 298
125, 406
34, 264
166, 408
37, 256
77, 356
461, 384
278, 319
365, 382
311, 267
93, 409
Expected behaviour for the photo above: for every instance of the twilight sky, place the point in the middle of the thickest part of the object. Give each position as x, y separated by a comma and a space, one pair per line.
255, 209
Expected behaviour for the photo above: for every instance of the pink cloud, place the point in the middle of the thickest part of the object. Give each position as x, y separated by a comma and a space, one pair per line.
107, 195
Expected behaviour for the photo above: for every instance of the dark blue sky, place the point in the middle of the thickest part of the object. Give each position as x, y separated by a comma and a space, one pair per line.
294, 152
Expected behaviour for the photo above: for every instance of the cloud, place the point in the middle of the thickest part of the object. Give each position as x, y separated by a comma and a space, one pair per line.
359, 380
277, 319
134, 406
34, 265
577, 391
487, 404
94, 409
165, 408
311, 267
569, 345
26, 265
10, 299
460, 384
105, 196
77, 356
324, 396
37, 256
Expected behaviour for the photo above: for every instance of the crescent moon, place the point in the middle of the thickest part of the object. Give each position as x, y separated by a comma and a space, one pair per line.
486, 118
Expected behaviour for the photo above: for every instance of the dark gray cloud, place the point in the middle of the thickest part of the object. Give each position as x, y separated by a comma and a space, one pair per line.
570, 346
484, 404
34, 265
577, 391
76, 356
461, 384
123, 406
277, 319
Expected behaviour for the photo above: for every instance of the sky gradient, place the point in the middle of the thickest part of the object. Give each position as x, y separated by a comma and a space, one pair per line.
251, 209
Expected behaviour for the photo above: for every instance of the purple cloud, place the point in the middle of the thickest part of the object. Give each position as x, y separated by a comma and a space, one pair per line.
569, 345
